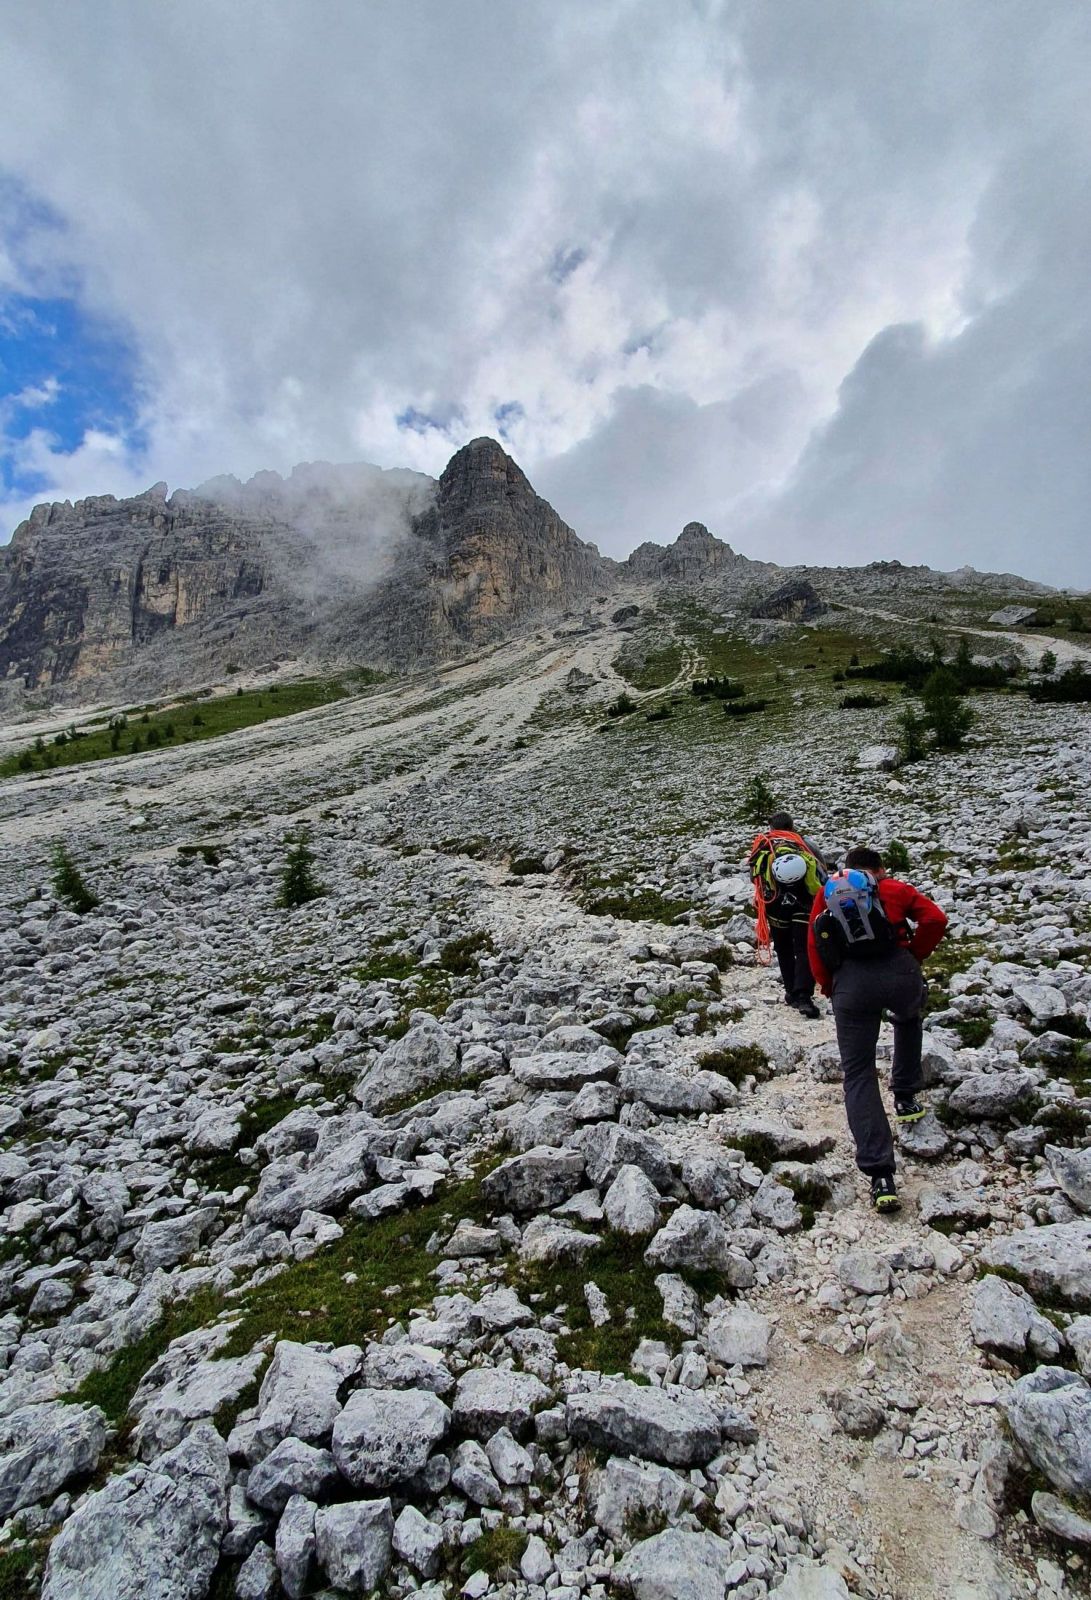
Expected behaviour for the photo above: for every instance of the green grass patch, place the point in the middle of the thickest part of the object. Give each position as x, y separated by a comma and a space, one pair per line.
497, 1551
617, 1266
21, 1569
649, 666
953, 955
640, 905
461, 957
183, 723
383, 965
386, 1262
113, 1387
737, 1062
973, 1031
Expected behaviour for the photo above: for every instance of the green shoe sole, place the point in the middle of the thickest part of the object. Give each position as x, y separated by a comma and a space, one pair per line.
887, 1202
906, 1117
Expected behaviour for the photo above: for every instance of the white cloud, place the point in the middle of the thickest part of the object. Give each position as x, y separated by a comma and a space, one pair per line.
667, 235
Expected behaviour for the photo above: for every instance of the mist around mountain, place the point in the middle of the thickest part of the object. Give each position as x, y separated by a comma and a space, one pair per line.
334, 564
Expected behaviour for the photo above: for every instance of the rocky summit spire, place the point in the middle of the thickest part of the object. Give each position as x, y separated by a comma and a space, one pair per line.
506, 552
694, 555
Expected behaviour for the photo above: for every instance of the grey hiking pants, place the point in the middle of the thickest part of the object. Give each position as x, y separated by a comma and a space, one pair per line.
862, 991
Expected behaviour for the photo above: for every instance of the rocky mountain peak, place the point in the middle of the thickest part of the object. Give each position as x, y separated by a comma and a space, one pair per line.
694, 555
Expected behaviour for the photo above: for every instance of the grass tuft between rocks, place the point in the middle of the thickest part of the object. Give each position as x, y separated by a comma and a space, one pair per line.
21, 1569
376, 1273
618, 1268
497, 1551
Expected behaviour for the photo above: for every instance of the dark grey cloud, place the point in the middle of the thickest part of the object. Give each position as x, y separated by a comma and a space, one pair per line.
809, 273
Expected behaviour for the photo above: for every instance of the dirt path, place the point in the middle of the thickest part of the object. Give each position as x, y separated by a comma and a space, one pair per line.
1032, 645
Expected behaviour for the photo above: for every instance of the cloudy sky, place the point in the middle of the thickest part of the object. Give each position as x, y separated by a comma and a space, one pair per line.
815, 274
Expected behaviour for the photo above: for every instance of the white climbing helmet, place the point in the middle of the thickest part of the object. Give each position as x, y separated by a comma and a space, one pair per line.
789, 868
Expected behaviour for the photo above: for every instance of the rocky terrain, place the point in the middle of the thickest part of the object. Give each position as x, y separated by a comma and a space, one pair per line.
340, 565
487, 1225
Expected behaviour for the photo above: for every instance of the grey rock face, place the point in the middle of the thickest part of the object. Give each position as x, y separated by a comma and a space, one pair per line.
739, 1337
608, 1147
536, 1181
857, 1414
192, 1396
42, 1447
489, 1398
472, 1474
151, 1534
1049, 1412
675, 1095
794, 601
678, 1566
991, 1096
418, 1541
712, 1181
695, 555
807, 1580
256, 1579
354, 1543
384, 1436
417, 1063
864, 1272
406, 1366
631, 1204
1059, 1519
1072, 1170
298, 1396
291, 1468
691, 1240
1054, 1261
626, 1490
168, 589
677, 1428
1005, 1318
295, 1545
567, 1069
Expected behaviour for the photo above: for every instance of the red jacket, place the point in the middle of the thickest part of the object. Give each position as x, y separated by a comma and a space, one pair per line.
899, 901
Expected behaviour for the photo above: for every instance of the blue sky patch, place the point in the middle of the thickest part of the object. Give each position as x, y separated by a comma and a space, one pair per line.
507, 414
565, 263
65, 372
413, 421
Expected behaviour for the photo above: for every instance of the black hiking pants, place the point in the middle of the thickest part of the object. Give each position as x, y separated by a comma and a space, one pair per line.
790, 943
862, 991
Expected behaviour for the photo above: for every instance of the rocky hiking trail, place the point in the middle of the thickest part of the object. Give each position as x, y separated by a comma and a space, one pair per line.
488, 1225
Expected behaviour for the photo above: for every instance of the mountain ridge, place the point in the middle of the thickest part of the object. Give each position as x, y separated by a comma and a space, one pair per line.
331, 563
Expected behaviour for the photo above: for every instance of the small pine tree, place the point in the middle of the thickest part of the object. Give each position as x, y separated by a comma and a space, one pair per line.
912, 728
298, 883
945, 712
1047, 663
758, 800
68, 884
26, 762
896, 856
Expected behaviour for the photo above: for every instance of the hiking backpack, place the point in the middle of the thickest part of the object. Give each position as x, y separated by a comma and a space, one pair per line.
853, 924
763, 852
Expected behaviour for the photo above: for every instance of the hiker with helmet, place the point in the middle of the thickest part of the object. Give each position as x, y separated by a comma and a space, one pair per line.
868, 935
787, 872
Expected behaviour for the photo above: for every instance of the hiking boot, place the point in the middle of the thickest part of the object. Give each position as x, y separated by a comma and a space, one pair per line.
807, 1008
909, 1110
884, 1196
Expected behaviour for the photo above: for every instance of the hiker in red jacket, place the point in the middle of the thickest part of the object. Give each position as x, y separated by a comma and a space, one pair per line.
867, 937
